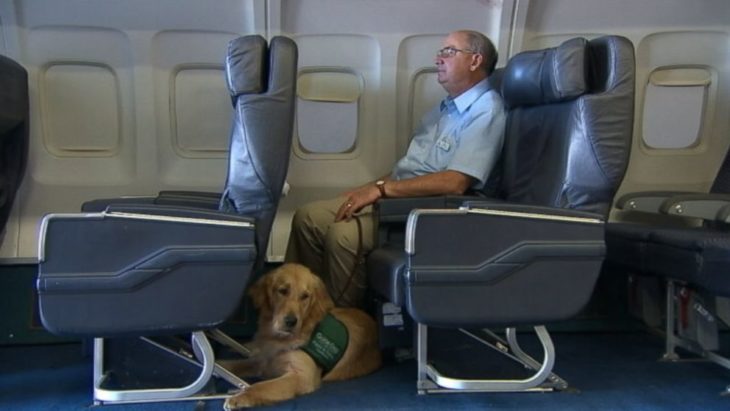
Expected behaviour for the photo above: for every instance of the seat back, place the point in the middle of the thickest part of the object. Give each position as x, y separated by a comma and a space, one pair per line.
14, 129
721, 184
262, 128
569, 125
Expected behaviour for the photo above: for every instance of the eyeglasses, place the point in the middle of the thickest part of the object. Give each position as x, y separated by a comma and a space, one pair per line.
447, 52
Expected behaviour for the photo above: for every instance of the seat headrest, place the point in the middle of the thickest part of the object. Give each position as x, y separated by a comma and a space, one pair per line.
246, 65
546, 76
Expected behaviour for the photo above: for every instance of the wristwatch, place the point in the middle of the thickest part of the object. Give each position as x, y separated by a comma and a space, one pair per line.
381, 187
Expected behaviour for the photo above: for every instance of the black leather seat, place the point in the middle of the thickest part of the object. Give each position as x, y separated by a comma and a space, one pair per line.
531, 256
686, 244
14, 129
688, 222
179, 262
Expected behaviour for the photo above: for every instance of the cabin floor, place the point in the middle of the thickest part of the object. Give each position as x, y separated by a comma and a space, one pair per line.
606, 371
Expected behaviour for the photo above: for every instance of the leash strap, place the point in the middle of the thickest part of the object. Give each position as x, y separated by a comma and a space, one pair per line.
359, 259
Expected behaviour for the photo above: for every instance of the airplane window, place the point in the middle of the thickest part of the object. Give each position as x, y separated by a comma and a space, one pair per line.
70, 89
328, 110
202, 111
674, 107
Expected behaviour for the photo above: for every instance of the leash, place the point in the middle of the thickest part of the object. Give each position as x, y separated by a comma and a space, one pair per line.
359, 259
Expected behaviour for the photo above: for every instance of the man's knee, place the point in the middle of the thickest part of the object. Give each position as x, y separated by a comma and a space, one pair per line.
343, 236
314, 214
300, 216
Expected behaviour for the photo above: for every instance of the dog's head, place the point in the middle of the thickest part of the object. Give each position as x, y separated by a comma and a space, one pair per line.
291, 300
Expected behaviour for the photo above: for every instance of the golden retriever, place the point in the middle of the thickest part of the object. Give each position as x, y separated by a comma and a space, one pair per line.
291, 301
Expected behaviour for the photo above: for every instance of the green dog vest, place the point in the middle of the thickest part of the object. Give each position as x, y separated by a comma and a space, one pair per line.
328, 342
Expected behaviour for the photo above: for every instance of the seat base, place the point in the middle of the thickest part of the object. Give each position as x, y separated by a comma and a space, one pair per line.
702, 338
199, 356
432, 381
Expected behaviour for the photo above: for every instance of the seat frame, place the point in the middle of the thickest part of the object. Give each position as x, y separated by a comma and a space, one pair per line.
680, 209
709, 328
432, 381
202, 356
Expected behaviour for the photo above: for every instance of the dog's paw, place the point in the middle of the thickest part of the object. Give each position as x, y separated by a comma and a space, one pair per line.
238, 401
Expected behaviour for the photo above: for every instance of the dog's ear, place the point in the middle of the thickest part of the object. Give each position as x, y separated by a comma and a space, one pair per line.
322, 302
259, 292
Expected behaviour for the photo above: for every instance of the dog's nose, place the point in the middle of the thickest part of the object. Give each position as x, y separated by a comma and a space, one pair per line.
290, 321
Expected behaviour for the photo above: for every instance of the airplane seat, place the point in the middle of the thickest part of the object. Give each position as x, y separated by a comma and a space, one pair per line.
627, 241
685, 243
532, 255
14, 131
179, 262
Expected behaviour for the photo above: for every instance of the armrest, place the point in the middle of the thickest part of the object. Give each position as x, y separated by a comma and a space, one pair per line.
700, 205
100, 204
133, 228
182, 213
472, 231
723, 215
500, 267
129, 270
397, 209
191, 199
180, 193
392, 213
197, 199
537, 211
647, 201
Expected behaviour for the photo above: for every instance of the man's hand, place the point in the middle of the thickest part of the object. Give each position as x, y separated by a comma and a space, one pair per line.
356, 200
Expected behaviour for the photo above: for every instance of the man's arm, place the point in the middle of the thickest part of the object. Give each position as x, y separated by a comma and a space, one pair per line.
439, 183
481, 143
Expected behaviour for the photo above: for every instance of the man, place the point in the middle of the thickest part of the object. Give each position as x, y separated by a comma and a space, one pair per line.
454, 149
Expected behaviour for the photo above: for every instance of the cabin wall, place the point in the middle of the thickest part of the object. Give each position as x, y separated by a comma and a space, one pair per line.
128, 98
381, 53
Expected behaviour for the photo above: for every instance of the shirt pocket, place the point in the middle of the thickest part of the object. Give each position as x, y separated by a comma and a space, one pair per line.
441, 153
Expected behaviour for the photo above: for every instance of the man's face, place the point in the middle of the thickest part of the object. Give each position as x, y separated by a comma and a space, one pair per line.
455, 71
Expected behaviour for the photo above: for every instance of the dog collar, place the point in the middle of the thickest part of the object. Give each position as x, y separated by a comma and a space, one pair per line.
328, 342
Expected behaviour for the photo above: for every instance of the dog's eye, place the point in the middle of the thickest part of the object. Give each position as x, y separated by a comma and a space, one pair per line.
283, 291
304, 296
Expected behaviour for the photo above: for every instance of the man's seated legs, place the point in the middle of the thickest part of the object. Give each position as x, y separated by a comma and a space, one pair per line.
330, 249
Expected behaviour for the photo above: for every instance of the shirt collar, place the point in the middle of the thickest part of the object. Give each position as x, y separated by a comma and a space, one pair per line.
465, 99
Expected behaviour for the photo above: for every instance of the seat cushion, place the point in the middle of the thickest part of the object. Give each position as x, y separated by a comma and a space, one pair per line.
385, 267
626, 245
693, 255
699, 256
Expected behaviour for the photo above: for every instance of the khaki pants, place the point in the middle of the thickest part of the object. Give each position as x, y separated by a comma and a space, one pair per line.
329, 249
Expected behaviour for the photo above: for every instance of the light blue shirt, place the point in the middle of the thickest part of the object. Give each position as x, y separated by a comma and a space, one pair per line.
463, 134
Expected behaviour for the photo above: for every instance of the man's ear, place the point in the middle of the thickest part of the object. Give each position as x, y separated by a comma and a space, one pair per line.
476, 62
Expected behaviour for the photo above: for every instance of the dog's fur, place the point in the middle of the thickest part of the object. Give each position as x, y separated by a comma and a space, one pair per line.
291, 300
